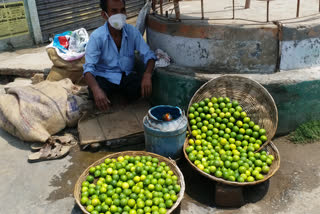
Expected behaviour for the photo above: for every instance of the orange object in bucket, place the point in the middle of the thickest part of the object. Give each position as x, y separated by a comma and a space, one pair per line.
167, 117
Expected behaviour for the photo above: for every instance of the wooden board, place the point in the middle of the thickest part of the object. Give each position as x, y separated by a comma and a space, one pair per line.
109, 126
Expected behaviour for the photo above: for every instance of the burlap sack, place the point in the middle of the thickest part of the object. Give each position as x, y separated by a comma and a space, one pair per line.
65, 69
34, 113
57, 74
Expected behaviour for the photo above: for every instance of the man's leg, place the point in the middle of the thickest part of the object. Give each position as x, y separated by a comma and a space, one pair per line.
131, 86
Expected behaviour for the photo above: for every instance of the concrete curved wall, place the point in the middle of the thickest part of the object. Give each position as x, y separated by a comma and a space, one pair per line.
231, 46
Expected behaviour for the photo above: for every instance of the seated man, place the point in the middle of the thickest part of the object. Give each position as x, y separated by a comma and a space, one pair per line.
110, 56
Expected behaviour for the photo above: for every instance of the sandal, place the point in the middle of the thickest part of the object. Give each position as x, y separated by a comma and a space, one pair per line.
50, 151
66, 140
36, 146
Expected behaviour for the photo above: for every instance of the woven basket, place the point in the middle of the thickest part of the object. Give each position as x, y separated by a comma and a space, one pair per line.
170, 163
271, 149
252, 97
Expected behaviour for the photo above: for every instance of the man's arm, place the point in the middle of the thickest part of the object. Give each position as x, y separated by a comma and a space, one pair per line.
92, 57
146, 83
100, 98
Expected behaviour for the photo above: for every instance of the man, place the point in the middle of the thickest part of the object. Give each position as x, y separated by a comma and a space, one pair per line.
110, 56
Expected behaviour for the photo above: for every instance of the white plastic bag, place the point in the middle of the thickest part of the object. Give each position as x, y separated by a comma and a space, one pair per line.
163, 59
141, 20
75, 44
78, 40
155, 123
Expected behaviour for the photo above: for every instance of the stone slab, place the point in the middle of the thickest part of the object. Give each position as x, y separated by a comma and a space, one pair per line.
25, 62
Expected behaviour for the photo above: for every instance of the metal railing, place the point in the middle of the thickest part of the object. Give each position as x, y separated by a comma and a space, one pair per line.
159, 5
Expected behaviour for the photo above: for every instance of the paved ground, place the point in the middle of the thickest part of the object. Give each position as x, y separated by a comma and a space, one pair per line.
47, 187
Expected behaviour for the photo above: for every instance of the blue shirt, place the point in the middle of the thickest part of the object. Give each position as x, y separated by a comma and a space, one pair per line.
103, 58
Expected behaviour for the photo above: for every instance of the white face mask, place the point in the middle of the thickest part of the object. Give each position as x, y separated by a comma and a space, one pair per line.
117, 21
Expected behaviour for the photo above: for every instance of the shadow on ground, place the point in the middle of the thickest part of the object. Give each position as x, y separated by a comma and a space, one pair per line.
14, 141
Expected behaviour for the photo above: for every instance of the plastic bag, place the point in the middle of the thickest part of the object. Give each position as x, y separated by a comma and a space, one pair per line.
70, 45
78, 40
163, 59
61, 41
141, 20
154, 118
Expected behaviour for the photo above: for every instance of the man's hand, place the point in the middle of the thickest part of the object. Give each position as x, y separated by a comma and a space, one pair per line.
101, 99
146, 85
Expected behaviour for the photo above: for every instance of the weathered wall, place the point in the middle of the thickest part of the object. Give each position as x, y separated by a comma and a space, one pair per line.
300, 43
18, 41
225, 48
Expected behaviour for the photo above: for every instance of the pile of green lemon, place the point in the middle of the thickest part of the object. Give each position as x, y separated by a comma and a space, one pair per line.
130, 185
225, 141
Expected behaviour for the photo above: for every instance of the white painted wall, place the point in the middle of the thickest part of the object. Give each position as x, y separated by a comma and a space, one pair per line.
300, 54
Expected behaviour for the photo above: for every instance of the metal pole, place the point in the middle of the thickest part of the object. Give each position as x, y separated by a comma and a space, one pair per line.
267, 10
176, 9
298, 8
153, 5
233, 16
35, 23
161, 10
247, 5
202, 12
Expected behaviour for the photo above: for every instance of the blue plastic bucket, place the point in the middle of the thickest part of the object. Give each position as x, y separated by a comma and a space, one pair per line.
165, 138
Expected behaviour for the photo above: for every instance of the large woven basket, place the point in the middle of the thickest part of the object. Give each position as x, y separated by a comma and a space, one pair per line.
271, 149
170, 163
252, 97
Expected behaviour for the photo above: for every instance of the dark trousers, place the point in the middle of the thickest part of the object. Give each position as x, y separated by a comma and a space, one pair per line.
130, 87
